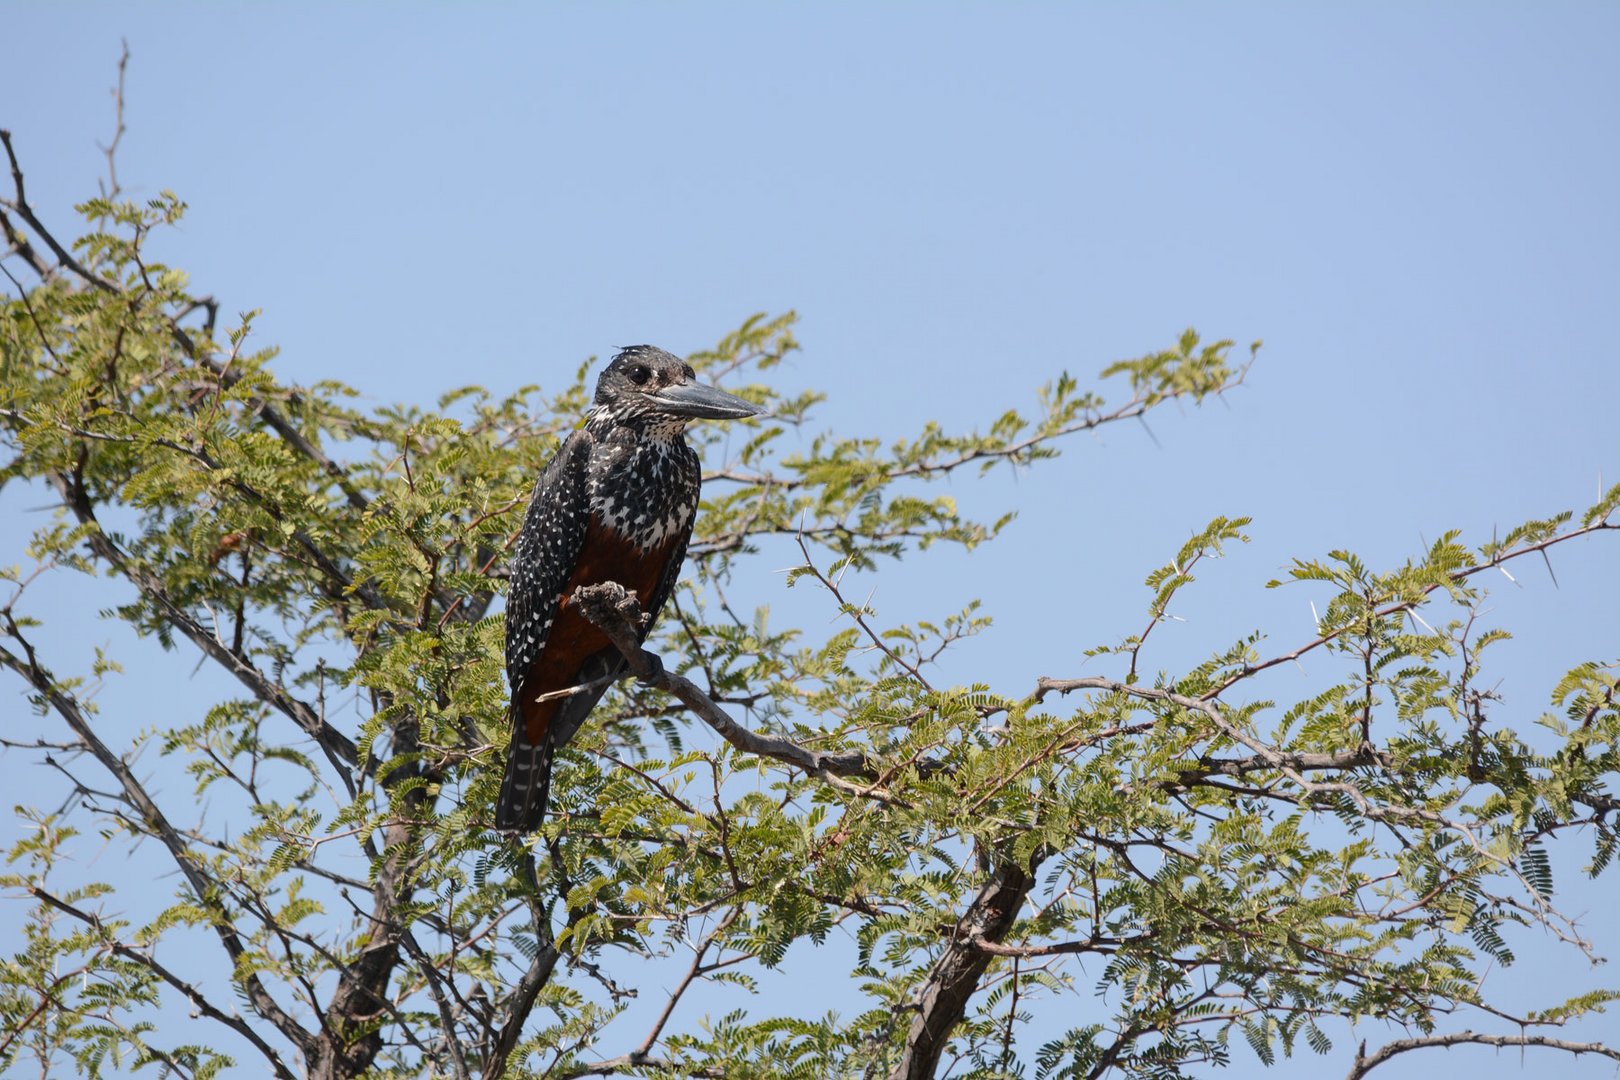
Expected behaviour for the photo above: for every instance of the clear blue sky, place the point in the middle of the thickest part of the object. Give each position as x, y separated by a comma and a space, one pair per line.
1414, 205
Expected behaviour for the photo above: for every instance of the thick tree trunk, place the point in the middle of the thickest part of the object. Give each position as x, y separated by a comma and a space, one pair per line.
942, 1001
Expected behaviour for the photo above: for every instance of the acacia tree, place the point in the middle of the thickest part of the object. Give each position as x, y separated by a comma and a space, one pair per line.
1234, 866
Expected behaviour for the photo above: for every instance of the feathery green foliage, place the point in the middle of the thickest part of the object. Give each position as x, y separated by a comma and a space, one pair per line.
1229, 865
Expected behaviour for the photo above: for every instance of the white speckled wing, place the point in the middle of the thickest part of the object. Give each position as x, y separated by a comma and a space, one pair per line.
547, 550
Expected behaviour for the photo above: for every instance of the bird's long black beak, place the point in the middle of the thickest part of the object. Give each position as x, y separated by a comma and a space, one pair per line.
703, 402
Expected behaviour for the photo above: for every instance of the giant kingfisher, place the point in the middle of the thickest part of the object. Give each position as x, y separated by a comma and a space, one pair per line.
617, 503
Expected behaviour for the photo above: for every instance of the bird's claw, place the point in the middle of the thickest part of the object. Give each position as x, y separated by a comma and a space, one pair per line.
655, 666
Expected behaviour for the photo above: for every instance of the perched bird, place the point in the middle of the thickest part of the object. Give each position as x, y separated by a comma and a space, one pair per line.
617, 503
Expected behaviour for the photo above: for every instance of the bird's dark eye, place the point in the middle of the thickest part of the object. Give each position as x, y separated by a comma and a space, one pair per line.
639, 374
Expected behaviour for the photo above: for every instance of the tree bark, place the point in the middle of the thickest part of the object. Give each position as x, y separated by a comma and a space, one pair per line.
943, 999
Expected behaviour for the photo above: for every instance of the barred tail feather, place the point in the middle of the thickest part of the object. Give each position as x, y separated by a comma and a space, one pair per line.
526, 787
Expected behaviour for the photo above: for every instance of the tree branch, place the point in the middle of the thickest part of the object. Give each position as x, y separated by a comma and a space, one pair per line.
521, 1000
1395, 608
19, 204
338, 584
446, 1020
618, 614
202, 885
339, 748
644, 1051
194, 995
1367, 1063
941, 1003
1290, 765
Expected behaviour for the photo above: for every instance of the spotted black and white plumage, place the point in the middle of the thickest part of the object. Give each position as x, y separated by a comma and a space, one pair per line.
617, 503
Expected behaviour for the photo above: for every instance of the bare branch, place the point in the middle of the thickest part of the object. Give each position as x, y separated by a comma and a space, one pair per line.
19, 204
113, 188
1366, 1063
641, 1054
19, 245
617, 612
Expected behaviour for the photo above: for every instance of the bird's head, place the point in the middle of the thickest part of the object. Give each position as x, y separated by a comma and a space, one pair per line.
648, 384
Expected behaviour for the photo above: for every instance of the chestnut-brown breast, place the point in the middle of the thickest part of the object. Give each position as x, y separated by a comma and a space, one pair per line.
606, 555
